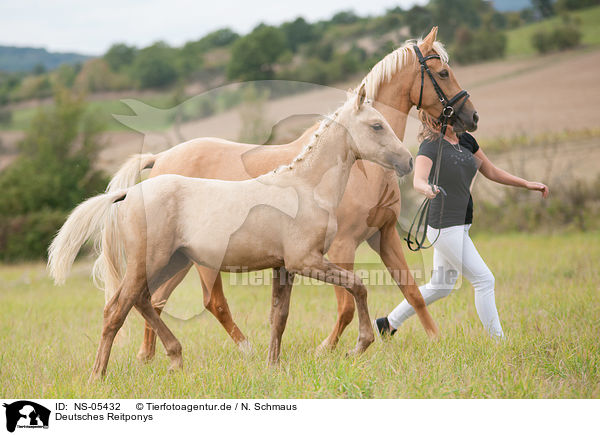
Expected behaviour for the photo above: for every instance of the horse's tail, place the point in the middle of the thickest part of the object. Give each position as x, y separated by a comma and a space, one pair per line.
83, 222
109, 267
129, 173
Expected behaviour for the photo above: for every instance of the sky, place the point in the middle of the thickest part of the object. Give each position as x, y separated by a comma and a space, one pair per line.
91, 27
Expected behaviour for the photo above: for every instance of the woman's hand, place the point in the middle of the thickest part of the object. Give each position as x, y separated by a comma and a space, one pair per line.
430, 191
534, 185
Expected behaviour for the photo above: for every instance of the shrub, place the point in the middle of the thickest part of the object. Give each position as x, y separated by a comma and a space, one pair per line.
27, 237
564, 36
478, 46
52, 174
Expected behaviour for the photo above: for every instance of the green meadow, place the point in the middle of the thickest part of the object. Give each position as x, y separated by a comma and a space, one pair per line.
547, 292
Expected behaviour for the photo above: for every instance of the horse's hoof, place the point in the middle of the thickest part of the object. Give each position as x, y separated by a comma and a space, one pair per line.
94, 378
144, 357
324, 347
246, 347
176, 366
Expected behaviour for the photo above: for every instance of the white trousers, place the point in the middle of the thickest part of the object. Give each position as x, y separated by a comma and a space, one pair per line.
453, 254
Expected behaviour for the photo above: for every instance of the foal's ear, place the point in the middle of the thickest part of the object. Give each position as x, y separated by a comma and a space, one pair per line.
360, 97
427, 43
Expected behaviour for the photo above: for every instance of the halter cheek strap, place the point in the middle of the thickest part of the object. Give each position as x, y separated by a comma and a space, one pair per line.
448, 110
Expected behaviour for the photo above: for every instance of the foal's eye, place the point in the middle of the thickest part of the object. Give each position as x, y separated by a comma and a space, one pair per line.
377, 126
444, 74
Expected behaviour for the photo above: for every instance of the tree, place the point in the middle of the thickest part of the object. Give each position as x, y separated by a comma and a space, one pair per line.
419, 19
254, 55
154, 66
297, 32
218, 38
119, 56
344, 17
544, 8
449, 15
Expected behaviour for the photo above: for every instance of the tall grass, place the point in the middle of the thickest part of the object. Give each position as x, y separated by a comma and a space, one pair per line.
546, 291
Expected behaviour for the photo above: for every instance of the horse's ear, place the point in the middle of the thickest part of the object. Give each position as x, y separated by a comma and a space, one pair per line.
360, 97
427, 44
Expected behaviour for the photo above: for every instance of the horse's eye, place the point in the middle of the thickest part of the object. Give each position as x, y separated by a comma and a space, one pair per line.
377, 126
444, 74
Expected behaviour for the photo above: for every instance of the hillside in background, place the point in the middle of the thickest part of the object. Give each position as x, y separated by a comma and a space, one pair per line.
26, 59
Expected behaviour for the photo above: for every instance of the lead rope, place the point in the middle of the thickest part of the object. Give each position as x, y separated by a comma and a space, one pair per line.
422, 216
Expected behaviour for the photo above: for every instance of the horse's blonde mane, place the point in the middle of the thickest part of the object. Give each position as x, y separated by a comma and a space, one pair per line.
387, 67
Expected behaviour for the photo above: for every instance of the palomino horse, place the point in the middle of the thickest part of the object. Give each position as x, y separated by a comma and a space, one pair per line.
368, 210
284, 219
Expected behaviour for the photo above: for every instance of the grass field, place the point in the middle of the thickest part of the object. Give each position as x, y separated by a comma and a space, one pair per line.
547, 294
519, 40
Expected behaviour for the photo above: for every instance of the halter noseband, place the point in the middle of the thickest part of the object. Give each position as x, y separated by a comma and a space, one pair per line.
448, 110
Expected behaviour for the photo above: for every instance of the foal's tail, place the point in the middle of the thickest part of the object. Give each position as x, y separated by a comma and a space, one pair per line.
109, 267
83, 223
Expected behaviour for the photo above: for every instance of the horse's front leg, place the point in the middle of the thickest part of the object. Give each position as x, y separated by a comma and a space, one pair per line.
280, 305
390, 250
324, 270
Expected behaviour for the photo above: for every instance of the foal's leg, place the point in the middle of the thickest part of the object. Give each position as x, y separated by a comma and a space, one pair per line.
280, 304
341, 253
216, 303
115, 312
325, 271
390, 250
170, 342
159, 299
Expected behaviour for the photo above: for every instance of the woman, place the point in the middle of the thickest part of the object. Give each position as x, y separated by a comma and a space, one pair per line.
453, 251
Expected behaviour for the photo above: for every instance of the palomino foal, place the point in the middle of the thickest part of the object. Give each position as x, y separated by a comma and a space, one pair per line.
285, 219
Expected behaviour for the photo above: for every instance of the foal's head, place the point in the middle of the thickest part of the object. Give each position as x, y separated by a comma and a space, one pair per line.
372, 138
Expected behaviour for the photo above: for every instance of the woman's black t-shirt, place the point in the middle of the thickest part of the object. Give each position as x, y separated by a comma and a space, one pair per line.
456, 174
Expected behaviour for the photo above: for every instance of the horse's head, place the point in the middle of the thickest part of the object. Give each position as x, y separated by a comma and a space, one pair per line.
423, 89
372, 137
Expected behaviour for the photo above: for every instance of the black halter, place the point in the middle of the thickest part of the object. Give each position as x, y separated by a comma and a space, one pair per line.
448, 114
448, 110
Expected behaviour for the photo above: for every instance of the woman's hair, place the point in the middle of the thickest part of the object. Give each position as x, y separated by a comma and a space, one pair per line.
430, 127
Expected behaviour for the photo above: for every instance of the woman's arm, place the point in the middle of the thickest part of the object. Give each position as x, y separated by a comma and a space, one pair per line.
423, 166
494, 173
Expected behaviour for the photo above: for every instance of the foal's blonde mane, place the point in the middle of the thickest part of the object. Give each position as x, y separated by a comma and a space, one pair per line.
312, 142
386, 68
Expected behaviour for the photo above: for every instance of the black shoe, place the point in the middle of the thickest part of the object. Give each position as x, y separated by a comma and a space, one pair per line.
383, 328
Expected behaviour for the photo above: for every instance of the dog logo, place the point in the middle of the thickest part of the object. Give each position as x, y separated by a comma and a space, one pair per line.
26, 414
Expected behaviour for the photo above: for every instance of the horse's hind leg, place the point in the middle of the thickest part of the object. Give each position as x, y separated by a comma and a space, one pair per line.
159, 299
341, 253
216, 303
115, 312
280, 305
390, 250
170, 342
